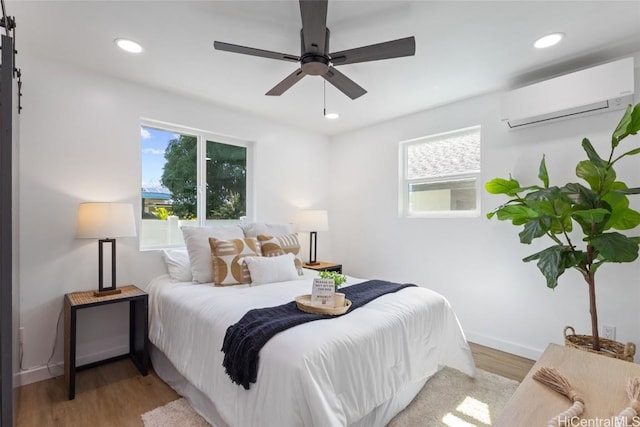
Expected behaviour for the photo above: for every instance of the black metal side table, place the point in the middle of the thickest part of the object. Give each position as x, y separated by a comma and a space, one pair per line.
138, 330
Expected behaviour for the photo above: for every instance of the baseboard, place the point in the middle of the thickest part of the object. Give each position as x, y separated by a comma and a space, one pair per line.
56, 369
506, 346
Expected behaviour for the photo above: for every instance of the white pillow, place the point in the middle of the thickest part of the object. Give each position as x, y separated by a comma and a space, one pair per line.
254, 229
178, 264
271, 269
197, 241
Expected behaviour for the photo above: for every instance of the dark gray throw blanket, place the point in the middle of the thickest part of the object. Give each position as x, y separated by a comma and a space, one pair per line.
244, 340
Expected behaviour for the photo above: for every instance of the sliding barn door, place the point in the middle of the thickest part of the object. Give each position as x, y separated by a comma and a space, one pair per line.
9, 364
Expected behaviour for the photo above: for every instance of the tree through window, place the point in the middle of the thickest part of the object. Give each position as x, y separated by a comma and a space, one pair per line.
189, 178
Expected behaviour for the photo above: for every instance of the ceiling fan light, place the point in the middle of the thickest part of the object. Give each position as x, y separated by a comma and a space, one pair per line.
548, 40
316, 59
128, 45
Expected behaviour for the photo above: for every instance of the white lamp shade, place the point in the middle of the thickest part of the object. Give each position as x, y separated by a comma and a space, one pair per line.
105, 220
312, 220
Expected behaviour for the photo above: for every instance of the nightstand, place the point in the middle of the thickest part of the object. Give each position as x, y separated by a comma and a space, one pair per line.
325, 266
138, 330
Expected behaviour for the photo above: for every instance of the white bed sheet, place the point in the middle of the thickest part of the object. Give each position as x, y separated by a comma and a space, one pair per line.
324, 373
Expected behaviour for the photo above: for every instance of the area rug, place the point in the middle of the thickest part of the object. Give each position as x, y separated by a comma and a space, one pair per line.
450, 398
176, 413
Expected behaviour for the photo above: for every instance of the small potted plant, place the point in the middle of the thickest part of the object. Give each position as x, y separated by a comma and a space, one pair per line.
580, 220
338, 280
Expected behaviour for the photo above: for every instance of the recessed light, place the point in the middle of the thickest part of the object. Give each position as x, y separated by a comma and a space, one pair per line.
548, 40
128, 45
332, 116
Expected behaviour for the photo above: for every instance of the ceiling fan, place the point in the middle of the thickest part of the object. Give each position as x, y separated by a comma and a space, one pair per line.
315, 59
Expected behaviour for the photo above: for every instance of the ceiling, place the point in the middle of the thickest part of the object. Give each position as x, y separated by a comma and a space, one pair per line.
463, 49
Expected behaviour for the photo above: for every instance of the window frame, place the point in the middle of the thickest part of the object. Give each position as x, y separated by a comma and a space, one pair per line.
404, 182
202, 137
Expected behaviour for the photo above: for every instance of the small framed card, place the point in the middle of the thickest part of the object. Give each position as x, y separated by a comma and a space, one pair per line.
322, 292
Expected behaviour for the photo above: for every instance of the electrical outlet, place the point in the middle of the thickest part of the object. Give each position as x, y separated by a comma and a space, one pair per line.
609, 332
21, 334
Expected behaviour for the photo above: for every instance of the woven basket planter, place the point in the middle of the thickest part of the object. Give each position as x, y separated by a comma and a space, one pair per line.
608, 347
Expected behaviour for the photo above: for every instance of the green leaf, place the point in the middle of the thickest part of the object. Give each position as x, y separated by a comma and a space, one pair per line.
631, 152
616, 197
502, 186
554, 203
622, 218
551, 263
529, 188
629, 125
543, 174
628, 219
634, 128
592, 154
592, 221
595, 266
535, 228
580, 195
629, 191
543, 207
551, 194
615, 247
561, 225
621, 130
600, 179
512, 202
517, 214
575, 259
591, 215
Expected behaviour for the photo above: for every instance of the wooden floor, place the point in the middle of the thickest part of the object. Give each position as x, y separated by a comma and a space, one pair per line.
501, 363
107, 396
116, 394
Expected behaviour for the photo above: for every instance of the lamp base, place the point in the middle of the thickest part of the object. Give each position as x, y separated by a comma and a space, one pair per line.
106, 292
311, 263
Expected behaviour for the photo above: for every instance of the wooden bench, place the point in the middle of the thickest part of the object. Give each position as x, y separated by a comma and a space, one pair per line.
601, 380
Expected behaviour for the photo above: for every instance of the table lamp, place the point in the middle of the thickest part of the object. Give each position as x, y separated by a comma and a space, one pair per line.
105, 221
312, 220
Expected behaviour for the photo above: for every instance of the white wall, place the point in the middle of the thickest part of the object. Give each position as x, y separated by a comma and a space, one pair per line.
80, 141
476, 263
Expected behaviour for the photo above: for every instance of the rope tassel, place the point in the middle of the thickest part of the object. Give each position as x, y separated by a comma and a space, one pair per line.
555, 381
626, 417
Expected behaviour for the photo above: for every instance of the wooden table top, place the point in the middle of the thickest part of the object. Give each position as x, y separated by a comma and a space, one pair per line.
87, 297
601, 380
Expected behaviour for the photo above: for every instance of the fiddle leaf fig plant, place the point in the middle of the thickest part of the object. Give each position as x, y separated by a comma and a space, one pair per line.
579, 218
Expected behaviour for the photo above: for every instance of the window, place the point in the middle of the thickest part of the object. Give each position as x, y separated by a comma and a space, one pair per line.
190, 177
440, 174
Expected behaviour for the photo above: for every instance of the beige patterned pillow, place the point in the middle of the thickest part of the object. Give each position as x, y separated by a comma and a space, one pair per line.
280, 245
226, 259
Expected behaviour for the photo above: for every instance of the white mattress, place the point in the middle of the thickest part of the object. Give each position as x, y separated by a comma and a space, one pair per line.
323, 373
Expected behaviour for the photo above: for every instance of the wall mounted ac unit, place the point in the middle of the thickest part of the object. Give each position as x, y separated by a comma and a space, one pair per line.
598, 89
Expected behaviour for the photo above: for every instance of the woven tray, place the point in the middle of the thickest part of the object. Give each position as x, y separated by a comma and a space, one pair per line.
304, 304
608, 347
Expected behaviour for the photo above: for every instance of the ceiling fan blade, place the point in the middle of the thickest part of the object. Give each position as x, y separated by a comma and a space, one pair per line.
314, 25
375, 52
344, 83
285, 84
228, 47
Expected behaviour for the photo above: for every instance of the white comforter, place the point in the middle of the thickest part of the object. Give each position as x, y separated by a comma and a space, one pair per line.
323, 373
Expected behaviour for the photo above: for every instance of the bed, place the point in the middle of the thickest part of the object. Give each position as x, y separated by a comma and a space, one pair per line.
359, 369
